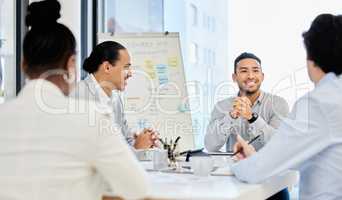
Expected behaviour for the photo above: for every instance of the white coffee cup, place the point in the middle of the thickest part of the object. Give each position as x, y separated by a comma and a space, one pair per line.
201, 165
144, 154
160, 159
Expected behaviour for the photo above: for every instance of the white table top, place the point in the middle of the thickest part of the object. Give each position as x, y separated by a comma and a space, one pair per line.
188, 186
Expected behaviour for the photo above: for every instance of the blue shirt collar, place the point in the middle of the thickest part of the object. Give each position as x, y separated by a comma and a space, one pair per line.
328, 77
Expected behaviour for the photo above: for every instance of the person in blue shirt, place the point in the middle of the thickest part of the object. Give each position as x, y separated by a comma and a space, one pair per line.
310, 139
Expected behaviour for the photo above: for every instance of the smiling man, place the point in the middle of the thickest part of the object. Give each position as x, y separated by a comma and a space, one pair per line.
109, 68
252, 113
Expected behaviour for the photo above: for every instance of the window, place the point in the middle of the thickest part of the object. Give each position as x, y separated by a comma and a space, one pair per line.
209, 57
193, 53
1, 76
213, 24
205, 22
205, 56
7, 50
131, 16
213, 58
194, 15
208, 23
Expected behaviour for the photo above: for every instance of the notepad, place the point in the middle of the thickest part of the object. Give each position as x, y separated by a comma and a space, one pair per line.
222, 171
217, 153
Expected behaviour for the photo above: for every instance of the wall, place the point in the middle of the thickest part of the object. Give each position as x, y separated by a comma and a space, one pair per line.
272, 30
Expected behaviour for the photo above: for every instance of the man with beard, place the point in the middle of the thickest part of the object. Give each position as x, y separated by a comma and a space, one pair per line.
252, 113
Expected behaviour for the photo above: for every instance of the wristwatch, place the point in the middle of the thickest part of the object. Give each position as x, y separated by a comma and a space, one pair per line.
254, 117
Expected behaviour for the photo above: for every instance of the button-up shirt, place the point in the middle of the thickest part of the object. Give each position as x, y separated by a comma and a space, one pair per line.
90, 89
310, 140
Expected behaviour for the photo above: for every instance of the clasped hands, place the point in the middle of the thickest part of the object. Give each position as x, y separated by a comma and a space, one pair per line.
242, 107
146, 139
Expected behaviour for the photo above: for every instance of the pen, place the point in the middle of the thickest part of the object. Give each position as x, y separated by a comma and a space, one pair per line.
250, 142
163, 143
176, 142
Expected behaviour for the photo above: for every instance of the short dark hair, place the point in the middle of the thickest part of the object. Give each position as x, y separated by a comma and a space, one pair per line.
245, 55
105, 51
48, 44
323, 43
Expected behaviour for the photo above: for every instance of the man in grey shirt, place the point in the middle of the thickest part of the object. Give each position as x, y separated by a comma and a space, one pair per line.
252, 113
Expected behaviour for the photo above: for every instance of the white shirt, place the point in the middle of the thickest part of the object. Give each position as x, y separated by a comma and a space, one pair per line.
51, 149
310, 140
90, 89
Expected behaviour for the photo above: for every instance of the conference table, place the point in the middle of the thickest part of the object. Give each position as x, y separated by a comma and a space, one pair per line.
186, 186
